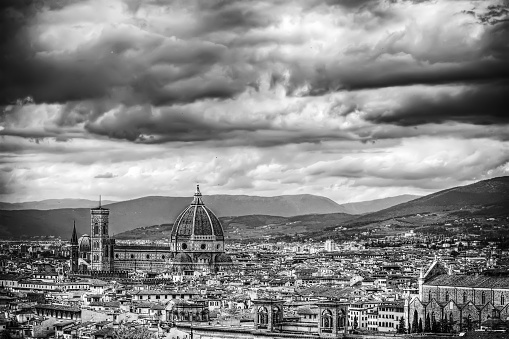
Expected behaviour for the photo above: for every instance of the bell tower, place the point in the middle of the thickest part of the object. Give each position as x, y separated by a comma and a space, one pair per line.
102, 245
74, 250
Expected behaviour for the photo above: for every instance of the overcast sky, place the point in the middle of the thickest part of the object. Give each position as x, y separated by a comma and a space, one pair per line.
349, 99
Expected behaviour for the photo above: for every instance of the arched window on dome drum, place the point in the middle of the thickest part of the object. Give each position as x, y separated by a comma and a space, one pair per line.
464, 297
447, 296
483, 298
429, 295
502, 300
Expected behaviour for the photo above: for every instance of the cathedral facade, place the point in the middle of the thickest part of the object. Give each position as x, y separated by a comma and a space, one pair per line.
449, 302
196, 244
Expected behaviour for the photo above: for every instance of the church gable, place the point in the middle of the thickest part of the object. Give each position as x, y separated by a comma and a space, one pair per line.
489, 311
417, 303
437, 268
470, 308
504, 312
434, 306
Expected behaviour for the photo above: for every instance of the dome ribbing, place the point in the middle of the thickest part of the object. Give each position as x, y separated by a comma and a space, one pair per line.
197, 220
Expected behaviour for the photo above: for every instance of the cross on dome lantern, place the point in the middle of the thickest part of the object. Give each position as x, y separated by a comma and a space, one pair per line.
197, 197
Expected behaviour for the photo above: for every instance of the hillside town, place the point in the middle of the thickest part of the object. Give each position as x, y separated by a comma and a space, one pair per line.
201, 286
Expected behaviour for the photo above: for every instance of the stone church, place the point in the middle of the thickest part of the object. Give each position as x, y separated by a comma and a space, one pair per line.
196, 244
458, 302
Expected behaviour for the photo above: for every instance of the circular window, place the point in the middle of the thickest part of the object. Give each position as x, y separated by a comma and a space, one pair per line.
163, 257
184, 246
132, 256
116, 256
203, 246
218, 246
148, 256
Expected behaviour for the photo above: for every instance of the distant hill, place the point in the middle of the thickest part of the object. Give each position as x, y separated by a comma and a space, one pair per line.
370, 206
487, 197
51, 204
251, 226
127, 215
248, 215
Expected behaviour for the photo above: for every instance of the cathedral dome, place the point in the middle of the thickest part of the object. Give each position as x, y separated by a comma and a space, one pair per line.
84, 243
182, 258
197, 220
223, 258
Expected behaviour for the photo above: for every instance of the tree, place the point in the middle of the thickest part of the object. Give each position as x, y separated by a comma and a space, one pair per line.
427, 324
420, 326
455, 253
468, 324
434, 325
452, 322
5, 334
415, 322
401, 328
444, 325
126, 332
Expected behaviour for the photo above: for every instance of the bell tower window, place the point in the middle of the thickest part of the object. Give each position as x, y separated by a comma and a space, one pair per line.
96, 229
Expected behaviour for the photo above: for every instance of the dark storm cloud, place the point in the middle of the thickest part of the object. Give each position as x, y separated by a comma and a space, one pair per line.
482, 104
144, 124
129, 65
107, 175
136, 82
228, 15
121, 64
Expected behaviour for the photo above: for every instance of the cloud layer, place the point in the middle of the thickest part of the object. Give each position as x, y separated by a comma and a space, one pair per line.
349, 99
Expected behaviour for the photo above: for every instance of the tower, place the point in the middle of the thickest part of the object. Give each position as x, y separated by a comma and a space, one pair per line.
102, 245
74, 250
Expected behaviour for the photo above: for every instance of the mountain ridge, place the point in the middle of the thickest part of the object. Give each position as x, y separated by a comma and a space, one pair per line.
157, 210
49, 204
473, 196
486, 197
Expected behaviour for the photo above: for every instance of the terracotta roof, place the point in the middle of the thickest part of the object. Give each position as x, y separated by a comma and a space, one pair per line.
308, 310
58, 307
478, 281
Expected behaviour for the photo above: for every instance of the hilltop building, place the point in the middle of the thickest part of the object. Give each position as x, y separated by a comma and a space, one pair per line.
196, 244
330, 246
